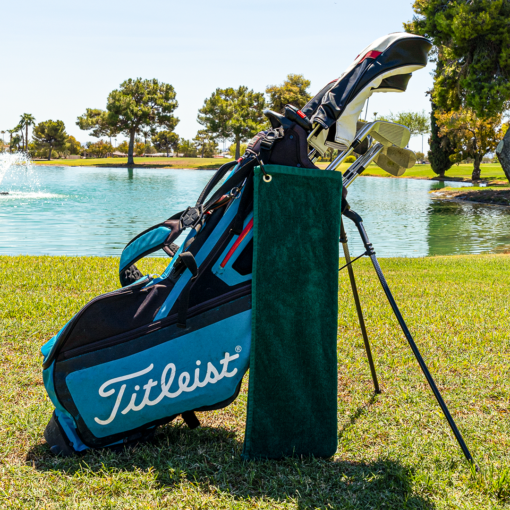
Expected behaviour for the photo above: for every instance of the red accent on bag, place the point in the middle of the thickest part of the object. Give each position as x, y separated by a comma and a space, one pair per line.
301, 114
239, 240
371, 54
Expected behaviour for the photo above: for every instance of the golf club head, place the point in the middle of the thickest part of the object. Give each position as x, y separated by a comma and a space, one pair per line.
388, 165
389, 133
402, 157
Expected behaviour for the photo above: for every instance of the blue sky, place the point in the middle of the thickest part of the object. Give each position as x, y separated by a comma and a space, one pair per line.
60, 57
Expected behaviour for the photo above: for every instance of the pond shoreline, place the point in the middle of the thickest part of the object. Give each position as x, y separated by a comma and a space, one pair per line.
492, 197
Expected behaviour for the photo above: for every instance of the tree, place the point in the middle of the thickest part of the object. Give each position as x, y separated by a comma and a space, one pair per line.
233, 114
100, 149
473, 41
50, 135
292, 91
123, 147
74, 146
165, 141
232, 149
470, 135
417, 122
441, 148
139, 149
136, 105
97, 121
26, 121
205, 144
187, 148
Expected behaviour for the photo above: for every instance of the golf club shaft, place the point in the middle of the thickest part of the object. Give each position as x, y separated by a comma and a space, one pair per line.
359, 224
343, 240
359, 166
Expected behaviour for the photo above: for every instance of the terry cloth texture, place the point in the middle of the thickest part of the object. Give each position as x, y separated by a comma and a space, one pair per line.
292, 399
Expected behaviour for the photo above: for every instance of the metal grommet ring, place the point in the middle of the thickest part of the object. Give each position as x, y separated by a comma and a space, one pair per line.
267, 178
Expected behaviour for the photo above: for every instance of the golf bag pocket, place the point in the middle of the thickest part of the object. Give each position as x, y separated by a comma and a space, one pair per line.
111, 389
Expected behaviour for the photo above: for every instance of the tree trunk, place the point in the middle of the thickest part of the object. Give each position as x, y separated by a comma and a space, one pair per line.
476, 168
238, 147
26, 137
131, 148
167, 151
503, 154
10, 143
49, 153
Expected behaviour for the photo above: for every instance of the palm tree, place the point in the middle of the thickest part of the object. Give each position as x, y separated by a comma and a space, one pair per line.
27, 120
3, 133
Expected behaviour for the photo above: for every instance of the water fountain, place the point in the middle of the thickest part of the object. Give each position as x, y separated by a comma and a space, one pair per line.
15, 161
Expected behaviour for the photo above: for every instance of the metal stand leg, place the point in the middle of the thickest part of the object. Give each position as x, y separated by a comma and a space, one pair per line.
343, 240
370, 251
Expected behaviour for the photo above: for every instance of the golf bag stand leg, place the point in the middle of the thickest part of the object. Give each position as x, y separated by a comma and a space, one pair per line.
371, 253
343, 240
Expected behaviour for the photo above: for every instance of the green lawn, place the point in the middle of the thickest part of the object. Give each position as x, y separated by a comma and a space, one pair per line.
187, 163
490, 172
394, 450
461, 172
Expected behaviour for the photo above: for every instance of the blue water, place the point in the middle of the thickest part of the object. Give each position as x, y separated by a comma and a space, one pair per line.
96, 211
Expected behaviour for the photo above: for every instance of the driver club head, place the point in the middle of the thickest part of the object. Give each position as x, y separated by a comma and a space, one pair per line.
401, 156
388, 165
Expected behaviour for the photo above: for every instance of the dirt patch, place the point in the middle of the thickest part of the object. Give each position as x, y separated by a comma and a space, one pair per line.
499, 197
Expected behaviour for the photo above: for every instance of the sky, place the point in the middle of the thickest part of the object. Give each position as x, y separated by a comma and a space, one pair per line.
61, 57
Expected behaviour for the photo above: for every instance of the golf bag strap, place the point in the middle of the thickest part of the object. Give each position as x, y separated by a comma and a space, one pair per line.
267, 142
214, 181
158, 237
190, 419
189, 261
245, 206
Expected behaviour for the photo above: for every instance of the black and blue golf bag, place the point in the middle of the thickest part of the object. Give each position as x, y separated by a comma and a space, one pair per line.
179, 343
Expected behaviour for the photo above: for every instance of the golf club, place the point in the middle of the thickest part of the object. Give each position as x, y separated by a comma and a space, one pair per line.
384, 132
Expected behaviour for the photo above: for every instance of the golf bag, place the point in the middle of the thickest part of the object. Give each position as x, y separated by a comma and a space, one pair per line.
179, 343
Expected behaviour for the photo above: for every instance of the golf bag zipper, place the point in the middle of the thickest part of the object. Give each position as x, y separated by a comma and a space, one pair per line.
155, 326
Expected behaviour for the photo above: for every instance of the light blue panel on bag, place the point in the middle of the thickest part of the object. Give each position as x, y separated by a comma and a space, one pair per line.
143, 244
188, 372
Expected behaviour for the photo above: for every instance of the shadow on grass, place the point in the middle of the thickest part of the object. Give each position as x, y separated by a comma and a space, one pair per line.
210, 459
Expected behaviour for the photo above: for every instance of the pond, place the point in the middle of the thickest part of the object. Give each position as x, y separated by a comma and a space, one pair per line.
96, 211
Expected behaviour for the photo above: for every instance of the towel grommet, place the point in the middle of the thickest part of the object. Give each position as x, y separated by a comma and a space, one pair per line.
267, 178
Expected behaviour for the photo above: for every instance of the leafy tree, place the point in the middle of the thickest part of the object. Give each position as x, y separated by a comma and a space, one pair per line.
233, 114
50, 135
420, 156
205, 144
97, 122
417, 122
139, 149
100, 149
74, 146
470, 135
165, 141
292, 91
441, 147
232, 149
16, 141
187, 148
123, 147
472, 39
136, 105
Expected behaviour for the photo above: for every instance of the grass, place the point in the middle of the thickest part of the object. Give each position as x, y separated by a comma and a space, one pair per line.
184, 163
395, 450
491, 172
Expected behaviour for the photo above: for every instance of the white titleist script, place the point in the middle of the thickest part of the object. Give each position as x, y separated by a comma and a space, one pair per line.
167, 378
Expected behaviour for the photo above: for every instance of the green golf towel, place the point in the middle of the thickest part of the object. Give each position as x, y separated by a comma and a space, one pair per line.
292, 399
